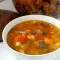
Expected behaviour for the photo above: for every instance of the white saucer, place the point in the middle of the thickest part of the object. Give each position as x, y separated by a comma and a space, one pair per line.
6, 55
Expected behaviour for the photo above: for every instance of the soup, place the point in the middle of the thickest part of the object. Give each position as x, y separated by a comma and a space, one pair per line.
34, 37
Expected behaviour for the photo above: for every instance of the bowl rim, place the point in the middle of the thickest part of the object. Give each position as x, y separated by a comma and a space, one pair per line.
17, 23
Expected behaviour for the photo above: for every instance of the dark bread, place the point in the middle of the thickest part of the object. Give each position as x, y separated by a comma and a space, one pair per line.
44, 7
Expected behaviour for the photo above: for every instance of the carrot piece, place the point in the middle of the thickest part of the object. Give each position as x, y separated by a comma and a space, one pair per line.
20, 38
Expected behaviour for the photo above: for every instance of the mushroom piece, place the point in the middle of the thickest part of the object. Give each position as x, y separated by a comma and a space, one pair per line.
40, 44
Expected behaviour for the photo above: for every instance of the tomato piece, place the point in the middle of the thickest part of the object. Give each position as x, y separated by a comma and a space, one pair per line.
39, 37
20, 38
25, 37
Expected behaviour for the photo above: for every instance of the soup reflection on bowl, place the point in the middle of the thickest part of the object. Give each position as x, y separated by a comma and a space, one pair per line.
33, 37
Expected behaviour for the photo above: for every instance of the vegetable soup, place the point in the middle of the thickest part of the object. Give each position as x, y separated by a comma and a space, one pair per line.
34, 37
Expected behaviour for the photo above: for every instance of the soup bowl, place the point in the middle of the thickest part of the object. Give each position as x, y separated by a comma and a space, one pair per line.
21, 56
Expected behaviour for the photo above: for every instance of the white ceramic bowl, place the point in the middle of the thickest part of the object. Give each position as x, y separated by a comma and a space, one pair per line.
22, 56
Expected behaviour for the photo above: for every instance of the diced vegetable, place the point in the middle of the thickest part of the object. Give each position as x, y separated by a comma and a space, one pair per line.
21, 50
57, 45
33, 32
37, 45
20, 38
39, 31
39, 37
31, 37
44, 24
48, 41
17, 43
25, 37
28, 42
17, 38
45, 49
36, 32
28, 32
52, 32
44, 33
37, 42
40, 44
20, 32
